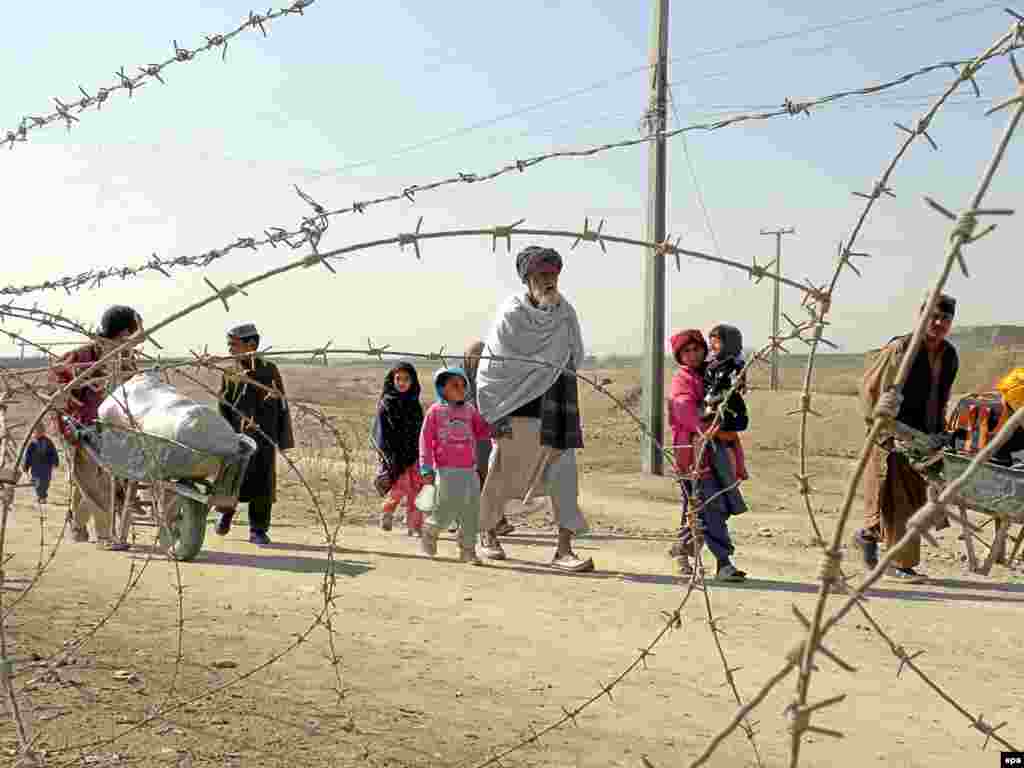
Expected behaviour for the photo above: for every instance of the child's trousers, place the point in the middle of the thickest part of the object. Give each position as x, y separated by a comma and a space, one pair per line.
458, 499
408, 484
41, 482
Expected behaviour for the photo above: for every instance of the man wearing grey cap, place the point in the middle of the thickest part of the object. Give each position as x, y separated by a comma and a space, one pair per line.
531, 398
893, 491
252, 399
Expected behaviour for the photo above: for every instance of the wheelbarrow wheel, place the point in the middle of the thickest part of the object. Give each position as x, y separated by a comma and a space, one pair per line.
183, 533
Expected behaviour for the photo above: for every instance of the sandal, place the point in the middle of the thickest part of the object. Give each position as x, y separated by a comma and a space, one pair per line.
491, 548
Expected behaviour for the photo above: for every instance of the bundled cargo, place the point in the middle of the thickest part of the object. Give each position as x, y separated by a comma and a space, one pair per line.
148, 404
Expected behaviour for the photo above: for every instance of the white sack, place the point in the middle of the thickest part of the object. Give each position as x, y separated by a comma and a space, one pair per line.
159, 409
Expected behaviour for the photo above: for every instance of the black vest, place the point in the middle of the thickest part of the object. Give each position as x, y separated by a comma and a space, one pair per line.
914, 411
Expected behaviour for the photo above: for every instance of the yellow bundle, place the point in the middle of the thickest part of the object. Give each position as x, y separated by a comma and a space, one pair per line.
1011, 386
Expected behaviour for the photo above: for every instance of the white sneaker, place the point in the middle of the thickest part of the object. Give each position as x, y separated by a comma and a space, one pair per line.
572, 563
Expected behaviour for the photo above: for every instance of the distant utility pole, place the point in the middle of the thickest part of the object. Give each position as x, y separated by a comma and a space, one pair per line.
651, 459
773, 380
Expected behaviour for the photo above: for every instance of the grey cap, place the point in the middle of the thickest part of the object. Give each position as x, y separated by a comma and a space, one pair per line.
243, 331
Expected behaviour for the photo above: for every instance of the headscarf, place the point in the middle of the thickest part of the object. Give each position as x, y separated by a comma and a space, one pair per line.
537, 259
732, 345
441, 376
396, 430
689, 336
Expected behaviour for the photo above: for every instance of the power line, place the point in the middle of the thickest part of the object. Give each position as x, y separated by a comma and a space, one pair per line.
698, 193
619, 76
803, 31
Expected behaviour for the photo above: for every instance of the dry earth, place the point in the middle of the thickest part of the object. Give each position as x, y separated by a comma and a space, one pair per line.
443, 663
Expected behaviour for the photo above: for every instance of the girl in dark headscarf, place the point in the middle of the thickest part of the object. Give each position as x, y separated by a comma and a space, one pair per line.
396, 434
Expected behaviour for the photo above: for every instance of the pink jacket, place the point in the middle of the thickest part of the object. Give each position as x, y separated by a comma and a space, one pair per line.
449, 437
684, 407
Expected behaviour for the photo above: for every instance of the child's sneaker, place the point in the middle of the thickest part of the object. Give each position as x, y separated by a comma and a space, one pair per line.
387, 521
428, 541
730, 573
907, 575
468, 555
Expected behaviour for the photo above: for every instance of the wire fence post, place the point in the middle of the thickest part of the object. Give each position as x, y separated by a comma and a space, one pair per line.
652, 461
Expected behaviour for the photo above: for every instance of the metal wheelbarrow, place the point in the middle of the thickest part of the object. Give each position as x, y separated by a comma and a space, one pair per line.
183, 483
996, 490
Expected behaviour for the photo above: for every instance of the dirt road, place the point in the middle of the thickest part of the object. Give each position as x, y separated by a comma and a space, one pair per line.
443, 663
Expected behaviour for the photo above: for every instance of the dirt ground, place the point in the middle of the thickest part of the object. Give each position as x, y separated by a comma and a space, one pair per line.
444, 663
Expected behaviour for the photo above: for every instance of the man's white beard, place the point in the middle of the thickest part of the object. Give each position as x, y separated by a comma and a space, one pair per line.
549, 300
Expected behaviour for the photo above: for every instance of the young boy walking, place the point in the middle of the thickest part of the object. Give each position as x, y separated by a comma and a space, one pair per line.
40, 461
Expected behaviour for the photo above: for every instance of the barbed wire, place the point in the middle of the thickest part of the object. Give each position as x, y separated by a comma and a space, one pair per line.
964, 233
66, 111
801, 658
816, 300
311, 229
208, 362
322, 619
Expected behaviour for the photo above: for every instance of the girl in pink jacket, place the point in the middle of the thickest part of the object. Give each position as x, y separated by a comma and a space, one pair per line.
448, 441
712, 480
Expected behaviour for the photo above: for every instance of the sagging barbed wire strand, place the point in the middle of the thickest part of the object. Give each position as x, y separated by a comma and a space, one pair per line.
66, 111
964, 233
13, 706
312, 228
207, 362
321, 619
801, 716
134, 579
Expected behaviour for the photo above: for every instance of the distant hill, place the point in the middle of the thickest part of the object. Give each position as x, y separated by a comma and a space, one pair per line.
981, 337
18, 362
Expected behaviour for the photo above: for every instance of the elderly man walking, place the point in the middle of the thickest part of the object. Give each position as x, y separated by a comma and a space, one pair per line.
252, 399
893, 491
533, 406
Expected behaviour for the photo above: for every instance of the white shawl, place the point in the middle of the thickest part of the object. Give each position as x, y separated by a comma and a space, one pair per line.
524, 331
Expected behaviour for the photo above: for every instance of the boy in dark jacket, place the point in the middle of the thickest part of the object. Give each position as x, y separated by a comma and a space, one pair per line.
40, 460
261, 411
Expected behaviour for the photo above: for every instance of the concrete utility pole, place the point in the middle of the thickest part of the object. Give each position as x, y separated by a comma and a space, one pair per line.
773, 381
651, 459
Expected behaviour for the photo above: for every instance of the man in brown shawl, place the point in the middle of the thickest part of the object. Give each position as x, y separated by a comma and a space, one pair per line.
893, 491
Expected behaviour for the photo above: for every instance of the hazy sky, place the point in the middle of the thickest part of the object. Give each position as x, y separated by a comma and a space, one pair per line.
183, 168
